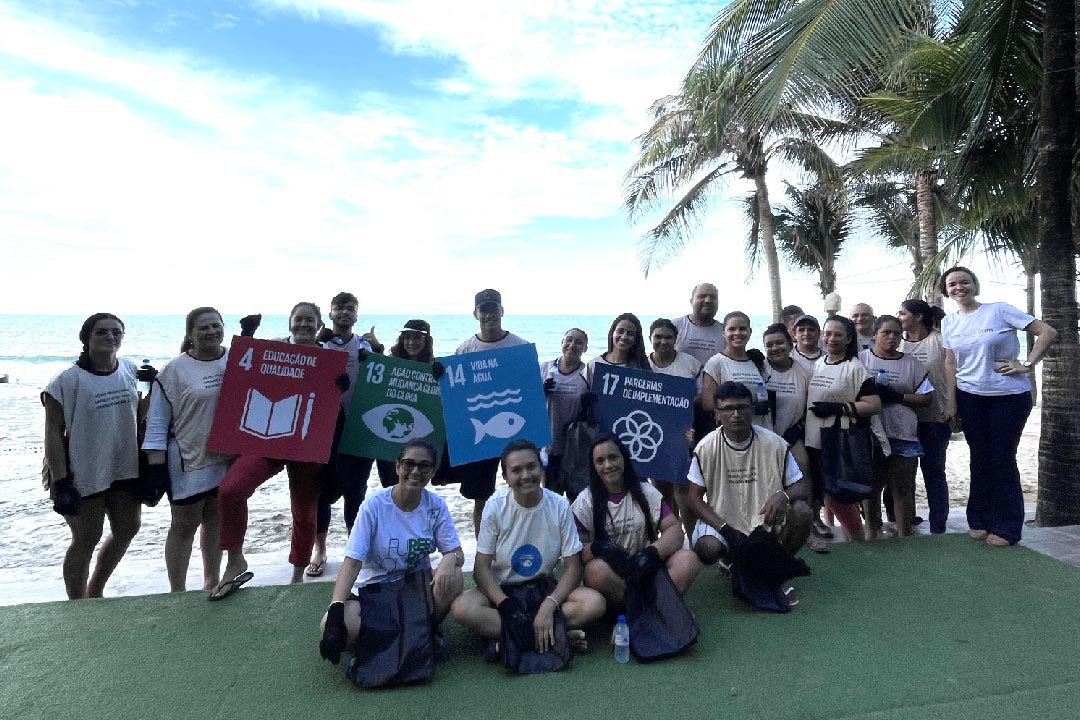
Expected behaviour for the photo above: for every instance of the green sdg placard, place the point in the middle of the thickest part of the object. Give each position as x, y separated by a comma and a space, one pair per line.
394, 401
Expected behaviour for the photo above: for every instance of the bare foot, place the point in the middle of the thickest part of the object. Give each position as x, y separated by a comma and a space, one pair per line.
298, 574
578, 642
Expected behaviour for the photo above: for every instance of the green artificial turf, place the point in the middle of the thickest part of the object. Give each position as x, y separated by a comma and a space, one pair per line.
928, 627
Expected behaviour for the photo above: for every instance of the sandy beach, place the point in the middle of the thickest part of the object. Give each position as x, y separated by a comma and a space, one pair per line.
34, 538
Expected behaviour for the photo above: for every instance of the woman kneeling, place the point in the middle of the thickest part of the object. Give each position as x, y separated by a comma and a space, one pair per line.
517, 602
397, 531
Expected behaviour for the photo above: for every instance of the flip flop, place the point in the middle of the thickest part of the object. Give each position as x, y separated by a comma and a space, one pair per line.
228, 587
315, 569
820, 529
818, 545
579, 643
996, 541
792, 595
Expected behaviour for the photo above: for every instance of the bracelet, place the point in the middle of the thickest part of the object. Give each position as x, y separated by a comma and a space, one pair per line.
553, 600
785, 495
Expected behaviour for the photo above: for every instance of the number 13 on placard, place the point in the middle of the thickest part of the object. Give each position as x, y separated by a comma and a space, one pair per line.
456, 375
611, 383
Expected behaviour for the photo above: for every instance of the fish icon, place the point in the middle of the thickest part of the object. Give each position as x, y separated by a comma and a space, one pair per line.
503, 425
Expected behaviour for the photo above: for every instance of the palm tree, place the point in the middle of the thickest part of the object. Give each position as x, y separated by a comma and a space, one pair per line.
811, 228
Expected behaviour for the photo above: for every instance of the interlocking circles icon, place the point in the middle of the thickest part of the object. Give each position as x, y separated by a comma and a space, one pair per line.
640, 435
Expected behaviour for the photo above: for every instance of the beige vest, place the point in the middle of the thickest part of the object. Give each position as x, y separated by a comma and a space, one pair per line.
738, 482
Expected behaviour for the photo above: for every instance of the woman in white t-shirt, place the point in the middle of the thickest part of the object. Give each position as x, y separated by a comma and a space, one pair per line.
735, 364
396, 531
565, 387
617, 509
92, 451
922, 339
524, 532
906, 388
840, 390
988, 386
625, 347
177, 428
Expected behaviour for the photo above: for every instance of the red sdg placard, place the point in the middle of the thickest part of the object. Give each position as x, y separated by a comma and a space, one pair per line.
278, 400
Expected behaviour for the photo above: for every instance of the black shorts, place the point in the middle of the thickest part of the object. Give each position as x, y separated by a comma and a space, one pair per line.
195, 498
477, 478
132, 487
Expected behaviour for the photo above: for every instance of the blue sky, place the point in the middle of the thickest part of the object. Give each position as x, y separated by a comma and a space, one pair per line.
159, 155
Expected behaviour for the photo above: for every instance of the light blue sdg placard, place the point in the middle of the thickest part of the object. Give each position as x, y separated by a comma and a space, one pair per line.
650, 413
490, 398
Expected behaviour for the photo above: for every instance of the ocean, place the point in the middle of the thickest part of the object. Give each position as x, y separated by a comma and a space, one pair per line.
34, 348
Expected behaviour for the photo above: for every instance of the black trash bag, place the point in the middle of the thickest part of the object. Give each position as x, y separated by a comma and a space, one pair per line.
397, 628
661, 625
847, 466
529, 661
576, 461
759, 569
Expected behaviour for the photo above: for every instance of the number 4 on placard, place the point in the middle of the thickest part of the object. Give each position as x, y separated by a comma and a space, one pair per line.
611, 382
245, 361
456, 375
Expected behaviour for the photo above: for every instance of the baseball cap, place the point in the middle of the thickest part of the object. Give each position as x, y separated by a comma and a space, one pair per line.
488, 296
806, 319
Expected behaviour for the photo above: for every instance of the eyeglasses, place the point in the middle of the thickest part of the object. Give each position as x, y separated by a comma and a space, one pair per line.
732, 409
114, 332
423, 466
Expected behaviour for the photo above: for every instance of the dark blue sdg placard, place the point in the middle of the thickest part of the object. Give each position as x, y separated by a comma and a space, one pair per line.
490, 398
650, 413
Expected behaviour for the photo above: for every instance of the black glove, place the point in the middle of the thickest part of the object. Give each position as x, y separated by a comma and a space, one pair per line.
361, 354
335, 636
343, 382
437, 370
645, 563
588, 400
517, 622
616, 557
146, 373
325, 335
734, 538
549, 386
824, 409
757, 357
889, 396
66, 498
761, 407
249, 324
155, 484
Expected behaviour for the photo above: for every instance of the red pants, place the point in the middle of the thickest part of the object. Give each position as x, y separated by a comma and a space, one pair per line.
848, 515
242, 480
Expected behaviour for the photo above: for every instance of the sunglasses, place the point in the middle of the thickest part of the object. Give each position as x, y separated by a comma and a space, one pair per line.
423, 466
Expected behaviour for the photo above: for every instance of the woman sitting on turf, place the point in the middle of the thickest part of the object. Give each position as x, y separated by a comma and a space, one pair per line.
397, 530
626, 525
517, 603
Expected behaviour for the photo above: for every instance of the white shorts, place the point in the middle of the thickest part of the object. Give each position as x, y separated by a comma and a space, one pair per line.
703, 529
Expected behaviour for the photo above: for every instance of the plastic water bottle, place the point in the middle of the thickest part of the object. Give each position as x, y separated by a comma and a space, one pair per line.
621, 638
762, 393
142, 385
882, 377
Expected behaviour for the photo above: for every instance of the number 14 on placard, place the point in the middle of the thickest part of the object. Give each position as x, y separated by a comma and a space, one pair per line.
456, 375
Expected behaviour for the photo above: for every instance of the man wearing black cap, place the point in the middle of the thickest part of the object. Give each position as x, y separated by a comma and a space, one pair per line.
478, 478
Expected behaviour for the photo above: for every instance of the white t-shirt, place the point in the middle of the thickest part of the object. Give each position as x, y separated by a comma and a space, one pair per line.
625, 523
526, 542
904, 374
790, 387
806, 361
684, 365
833, 383
100, 419
475, 344
740, 477
182, 405
352, 361
390, 542
722, 369
979, 340
701, 341
564, 403
931, 354
590, 369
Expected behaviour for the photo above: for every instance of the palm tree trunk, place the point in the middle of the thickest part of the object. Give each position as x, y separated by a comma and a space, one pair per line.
1059, 445
1029, 292
928, 247
768, 242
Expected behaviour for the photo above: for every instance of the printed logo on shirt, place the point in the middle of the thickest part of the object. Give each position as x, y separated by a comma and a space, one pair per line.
419, 549
526, 560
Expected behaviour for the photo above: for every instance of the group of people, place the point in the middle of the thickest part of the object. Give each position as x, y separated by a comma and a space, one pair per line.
764, 460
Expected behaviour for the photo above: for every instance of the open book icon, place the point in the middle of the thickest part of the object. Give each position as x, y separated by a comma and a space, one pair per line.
270, 419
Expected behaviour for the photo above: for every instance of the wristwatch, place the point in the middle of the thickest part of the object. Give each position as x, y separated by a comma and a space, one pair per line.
1027, 364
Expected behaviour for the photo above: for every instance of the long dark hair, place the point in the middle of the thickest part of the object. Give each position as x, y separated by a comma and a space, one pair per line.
929, 315
599, 492
84, 337
427, 355
852, 348
638, 358
189, 325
